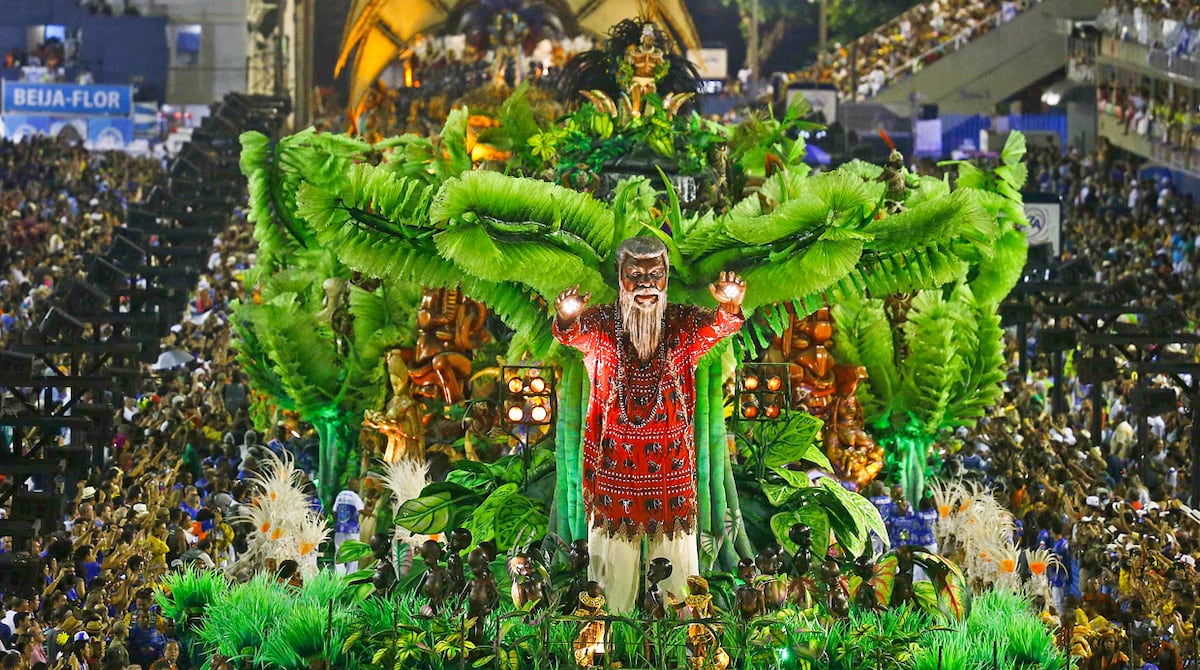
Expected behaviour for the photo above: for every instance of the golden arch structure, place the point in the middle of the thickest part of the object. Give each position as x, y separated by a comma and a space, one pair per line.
378, 32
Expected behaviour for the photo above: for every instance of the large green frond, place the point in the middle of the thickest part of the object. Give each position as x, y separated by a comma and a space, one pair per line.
904, 272
526, 206
934, 362
396, 250
982, 347
545, 268
864, 337
997, 277
935, 221
806, 273
304, 359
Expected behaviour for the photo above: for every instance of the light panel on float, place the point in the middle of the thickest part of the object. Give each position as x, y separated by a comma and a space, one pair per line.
762, 392
528, 406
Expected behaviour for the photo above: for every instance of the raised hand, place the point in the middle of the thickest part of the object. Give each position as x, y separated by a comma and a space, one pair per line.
570, 304
728, 291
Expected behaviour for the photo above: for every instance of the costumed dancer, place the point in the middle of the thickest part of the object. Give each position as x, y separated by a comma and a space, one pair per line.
639, 460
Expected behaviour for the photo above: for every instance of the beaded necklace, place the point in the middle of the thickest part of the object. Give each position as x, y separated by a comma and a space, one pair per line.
660, 354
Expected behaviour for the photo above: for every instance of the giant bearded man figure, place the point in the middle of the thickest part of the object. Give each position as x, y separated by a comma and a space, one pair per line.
639, 460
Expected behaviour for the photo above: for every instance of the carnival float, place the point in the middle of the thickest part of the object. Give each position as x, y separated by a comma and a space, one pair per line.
405, 308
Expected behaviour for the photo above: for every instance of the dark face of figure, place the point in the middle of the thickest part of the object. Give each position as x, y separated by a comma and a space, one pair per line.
746, 570
431, 552
643, 302
478, 560
660, 569
579, 556
458, 539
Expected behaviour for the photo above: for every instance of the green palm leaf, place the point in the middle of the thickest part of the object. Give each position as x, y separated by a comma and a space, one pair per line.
864, 337
934, 362
997, 277
982, 346
511, 204
804, 274
935, 221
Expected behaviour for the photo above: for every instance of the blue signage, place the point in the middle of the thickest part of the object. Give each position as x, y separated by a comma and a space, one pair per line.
109, 134
17, 127
67, 99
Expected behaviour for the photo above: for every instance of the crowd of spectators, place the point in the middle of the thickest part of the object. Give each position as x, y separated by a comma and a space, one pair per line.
904, 45
175, 472
57, 201
1114, 507
1161, 24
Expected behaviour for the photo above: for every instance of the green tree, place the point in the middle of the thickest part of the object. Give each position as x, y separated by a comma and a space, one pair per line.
310, 340
775, 18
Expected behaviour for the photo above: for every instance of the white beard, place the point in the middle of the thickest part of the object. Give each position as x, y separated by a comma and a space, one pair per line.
643, 323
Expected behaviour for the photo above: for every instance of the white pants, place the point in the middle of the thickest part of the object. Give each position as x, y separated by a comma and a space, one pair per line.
615, 565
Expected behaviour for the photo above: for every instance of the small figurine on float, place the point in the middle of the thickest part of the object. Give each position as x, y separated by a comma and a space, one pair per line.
456, 542
749, 599
577, 561
482, 594
436, 583
837, 599
864, 568
527, 583
590, 643
703, 645
773, 585
654, 603
801, 586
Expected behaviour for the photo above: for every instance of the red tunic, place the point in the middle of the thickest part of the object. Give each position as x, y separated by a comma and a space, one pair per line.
639, 471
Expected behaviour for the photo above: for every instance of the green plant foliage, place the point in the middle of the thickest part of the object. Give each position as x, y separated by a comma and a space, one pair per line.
189, 592
237, 625
849, 516
305, 634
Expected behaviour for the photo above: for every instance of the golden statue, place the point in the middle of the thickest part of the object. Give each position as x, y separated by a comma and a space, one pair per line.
827, 390
851, 450
400, 421
643, 65
805, 346
451, 327
704, 648
647, 60
590, 642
